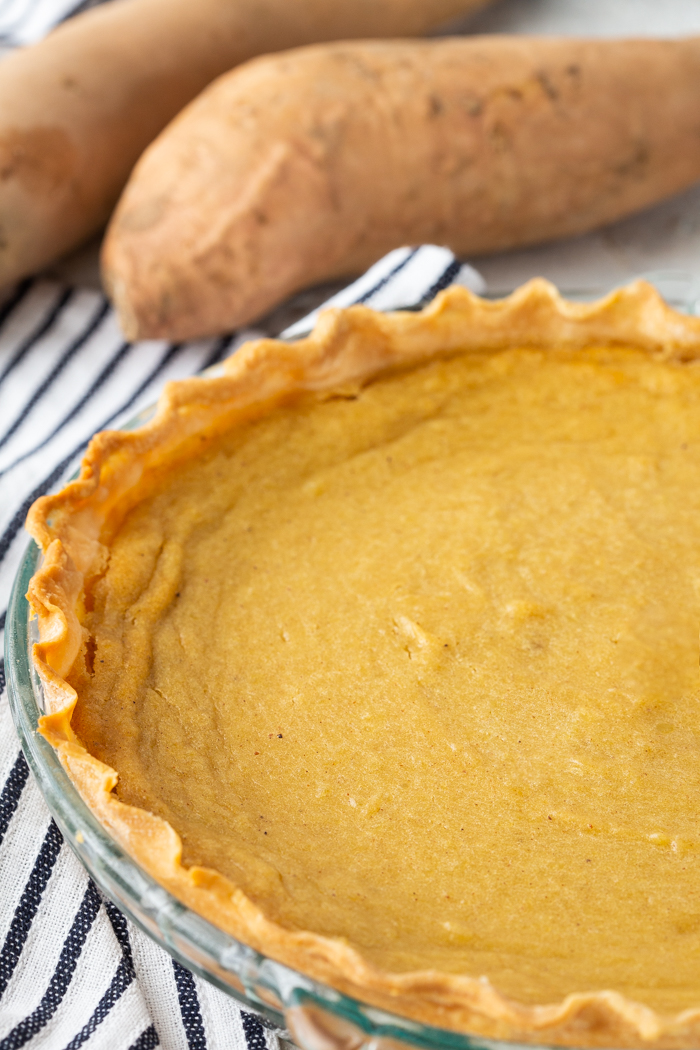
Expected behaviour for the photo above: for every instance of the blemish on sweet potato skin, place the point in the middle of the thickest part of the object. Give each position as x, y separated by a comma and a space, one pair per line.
40, 159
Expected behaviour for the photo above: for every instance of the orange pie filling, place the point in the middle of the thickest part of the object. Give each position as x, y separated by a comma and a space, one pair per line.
415, 665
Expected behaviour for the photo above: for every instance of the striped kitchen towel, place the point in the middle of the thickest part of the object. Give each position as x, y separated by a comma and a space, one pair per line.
73, 972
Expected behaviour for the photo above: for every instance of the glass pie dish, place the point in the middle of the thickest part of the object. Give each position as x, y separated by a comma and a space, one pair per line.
318, 1017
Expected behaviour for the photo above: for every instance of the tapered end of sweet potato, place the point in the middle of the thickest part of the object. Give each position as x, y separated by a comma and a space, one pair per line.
231, 209
165, 285
118, 292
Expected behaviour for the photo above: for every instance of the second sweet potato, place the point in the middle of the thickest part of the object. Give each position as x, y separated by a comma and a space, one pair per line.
78, 108
308, 165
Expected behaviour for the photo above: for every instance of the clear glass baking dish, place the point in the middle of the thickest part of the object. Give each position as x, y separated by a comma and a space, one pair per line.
316, 1016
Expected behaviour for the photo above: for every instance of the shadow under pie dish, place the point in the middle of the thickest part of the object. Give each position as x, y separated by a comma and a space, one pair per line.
380, 652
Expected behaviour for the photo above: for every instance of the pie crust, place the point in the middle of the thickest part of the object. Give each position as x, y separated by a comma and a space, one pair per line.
121, 468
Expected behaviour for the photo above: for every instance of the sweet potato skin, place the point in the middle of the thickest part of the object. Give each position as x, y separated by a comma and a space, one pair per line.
77, 109
309, 165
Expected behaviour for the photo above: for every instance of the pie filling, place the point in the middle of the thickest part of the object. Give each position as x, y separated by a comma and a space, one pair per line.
417, 667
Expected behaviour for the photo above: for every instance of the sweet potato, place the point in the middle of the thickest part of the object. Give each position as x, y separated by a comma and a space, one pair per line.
309, 165
77, 109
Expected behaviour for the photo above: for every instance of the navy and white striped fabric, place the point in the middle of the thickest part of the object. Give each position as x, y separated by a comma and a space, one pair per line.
400, 279
73, 972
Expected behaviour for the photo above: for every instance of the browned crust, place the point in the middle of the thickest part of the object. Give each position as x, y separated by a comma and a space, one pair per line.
73, 526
